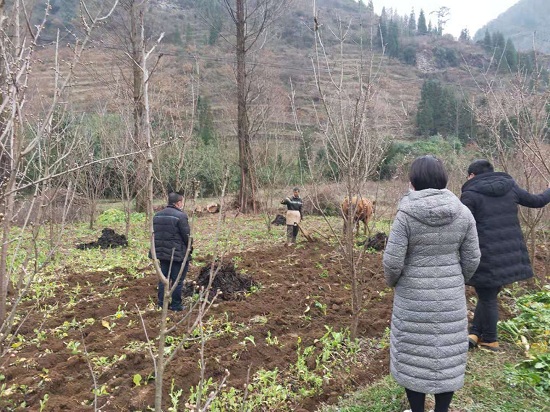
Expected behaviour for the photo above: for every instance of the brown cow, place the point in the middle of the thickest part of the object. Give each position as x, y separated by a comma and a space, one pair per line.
364, 209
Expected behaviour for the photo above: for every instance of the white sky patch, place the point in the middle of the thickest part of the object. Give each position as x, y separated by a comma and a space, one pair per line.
464, 14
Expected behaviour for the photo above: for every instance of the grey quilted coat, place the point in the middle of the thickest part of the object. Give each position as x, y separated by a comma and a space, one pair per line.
432, 250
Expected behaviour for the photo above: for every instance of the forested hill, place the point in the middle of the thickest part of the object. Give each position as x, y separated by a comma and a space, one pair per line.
415, 58
524, 22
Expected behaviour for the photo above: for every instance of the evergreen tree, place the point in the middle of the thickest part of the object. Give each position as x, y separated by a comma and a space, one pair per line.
215, 30
464, 36
487, 41
392, 44
370, 7
188, 34
440, 112
526, 61
382, 34
412, 23
205, 121
430, 27
499, 45
511, 55
422, 28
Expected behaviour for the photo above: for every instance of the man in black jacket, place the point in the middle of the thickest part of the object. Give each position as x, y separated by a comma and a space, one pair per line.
493, 198
171, 241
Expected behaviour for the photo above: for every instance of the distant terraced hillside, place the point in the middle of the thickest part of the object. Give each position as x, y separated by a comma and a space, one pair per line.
191, 67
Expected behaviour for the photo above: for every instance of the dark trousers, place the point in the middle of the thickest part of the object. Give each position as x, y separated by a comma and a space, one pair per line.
485, 320
175, 303
291, 233
416, 400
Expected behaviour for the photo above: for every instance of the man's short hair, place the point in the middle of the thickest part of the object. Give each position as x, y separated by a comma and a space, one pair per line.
296, 189
174, 198
428, 172
480, 166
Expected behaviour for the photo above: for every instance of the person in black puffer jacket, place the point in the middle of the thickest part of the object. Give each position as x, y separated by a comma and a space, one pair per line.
171, 241
493, 198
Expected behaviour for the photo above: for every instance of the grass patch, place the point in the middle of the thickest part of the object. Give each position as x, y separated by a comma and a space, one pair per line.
383, 396
486, 389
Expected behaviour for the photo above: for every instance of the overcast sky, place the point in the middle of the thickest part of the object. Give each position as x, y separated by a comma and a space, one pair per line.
470, 14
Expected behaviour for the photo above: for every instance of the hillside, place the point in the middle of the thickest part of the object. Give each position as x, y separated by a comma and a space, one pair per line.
193, 57
525, 22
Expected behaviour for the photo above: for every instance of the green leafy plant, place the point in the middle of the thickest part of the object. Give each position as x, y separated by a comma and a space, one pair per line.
44, 401
271, 341
175, 396
321, 306
137, 379
117, 216
101, 391
249, 339
530, 329
73, 347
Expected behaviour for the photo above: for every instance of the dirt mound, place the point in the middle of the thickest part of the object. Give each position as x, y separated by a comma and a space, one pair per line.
108, 239
231, 285
377, 242
279, 220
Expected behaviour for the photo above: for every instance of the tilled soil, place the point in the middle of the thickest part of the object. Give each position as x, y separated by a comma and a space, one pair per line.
106, 325
290, 280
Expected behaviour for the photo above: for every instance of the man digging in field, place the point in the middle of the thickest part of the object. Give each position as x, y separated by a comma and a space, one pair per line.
171, 240
493, 197
293, 215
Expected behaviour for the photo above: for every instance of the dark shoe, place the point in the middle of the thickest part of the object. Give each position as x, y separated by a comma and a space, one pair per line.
473, 341
176, 309
490, 346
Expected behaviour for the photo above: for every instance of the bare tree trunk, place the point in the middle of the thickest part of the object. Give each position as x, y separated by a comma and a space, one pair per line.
138, 45
251, 19
247, 191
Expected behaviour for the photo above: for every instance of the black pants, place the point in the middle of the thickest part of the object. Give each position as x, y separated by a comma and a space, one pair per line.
485, 320
291, 232
416, 400
175, 303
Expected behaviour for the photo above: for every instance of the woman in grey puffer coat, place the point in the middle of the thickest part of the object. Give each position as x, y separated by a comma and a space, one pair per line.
432, 250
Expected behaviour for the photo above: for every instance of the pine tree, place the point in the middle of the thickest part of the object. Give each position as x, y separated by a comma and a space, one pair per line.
382, 34
464, 36
511, 55
487, 41
370, 7
439, 111
205, 121
412, 23
393, 39
499, 45
422, 28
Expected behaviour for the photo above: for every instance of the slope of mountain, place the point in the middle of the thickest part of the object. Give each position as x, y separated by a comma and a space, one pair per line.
193, 50
526, 23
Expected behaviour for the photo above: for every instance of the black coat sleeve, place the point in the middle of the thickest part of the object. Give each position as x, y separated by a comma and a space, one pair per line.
534, 201
468, 198
185, 230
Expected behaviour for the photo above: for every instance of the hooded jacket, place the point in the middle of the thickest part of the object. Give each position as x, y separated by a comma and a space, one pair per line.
172, 231
493, 199
432, 250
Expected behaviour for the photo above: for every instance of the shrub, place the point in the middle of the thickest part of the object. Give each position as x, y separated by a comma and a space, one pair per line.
409, 54
326, 202
115, 216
